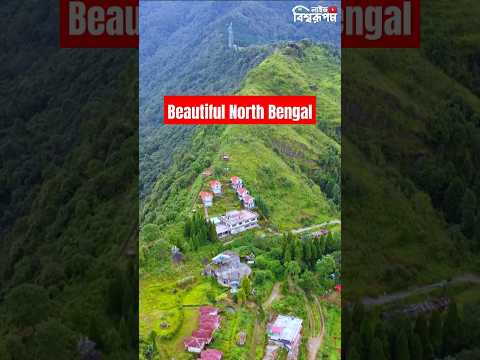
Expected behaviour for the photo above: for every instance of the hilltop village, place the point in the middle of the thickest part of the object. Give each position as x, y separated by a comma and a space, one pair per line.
233, 221
284, 332
241, 247
245, 290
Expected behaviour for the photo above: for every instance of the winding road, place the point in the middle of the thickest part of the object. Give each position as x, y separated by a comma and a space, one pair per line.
467, 278
275, 294
309, 228
305, 229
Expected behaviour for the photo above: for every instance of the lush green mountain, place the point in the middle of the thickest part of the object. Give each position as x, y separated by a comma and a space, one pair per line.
294, 170
411, 135
294, 174
184, 51
411, 150
68, 191
183, 47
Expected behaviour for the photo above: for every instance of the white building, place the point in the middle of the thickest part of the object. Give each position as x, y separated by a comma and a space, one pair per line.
241, 192
248, 201
207, 198
216, 187
236, 221
286, 331
236, 182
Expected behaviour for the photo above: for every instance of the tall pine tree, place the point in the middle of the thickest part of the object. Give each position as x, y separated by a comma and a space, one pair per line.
376, 351
402, 351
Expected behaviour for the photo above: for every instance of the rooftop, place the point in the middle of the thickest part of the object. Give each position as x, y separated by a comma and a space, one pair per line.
194, 342
208, 310
220, 228
285, 328
211, 354
204, 334
247, 199
215, 183
205, 195
241, 215
225, 257
242, 191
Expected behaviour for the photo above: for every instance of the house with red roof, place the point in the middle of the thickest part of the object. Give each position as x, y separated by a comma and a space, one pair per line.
248, 202
209, 310
236, 182
211, 354
210, 324
194, 345
205, 335
241, 192
216, 187
207, 198
209, 321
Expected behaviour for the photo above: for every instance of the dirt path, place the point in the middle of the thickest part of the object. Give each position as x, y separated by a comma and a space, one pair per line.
304, 229
467, 278
328, 223
316, 325
314, 343
257, 333
275, 294
260, 326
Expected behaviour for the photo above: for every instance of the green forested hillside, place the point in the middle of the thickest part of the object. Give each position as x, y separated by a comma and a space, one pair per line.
68, 192
411, 135
184, 51
411, 152
294, 174
294, 170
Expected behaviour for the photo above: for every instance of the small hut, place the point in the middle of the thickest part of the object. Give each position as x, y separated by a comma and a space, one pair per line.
177, 256
241, 338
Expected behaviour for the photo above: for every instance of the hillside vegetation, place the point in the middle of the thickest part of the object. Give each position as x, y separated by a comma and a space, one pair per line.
68, 192
293, 169
184, 51
410, 158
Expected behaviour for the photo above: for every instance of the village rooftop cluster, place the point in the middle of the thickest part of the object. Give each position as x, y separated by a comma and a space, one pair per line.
228, 270
237, 184
209, 322
234, 221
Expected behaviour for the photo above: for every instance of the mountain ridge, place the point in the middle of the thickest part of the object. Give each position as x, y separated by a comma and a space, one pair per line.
289, 167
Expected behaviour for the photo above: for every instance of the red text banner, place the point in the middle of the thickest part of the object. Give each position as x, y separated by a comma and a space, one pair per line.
99, 24
381, 24
243, 110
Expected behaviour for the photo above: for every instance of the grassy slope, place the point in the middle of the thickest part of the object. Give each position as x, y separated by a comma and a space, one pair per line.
273, 160
396, 231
